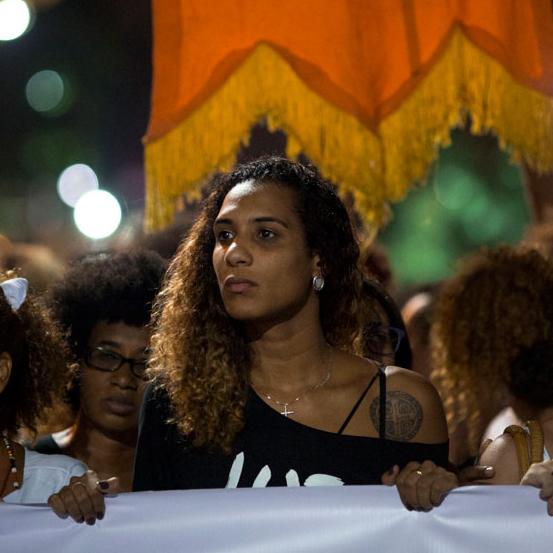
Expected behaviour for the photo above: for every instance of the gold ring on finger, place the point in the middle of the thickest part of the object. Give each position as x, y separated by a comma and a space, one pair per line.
419, 472
77, 484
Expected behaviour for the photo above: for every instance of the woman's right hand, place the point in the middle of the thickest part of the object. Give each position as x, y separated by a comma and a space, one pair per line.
83, 498
421, 486
540, 475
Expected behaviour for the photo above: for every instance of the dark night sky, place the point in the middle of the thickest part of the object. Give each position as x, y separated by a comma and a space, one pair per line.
103, 50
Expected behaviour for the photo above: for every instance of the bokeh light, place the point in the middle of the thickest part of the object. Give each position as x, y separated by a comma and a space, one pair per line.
454, 187
75, 181
475, 212
45, 91
474, 197
97, 214
489, 228
425, 260
15, 17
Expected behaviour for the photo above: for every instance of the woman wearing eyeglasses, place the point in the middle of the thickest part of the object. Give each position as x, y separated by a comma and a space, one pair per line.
384, 337
104, 303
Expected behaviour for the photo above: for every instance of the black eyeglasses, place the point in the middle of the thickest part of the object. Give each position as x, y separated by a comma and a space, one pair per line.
382, 340
110, 361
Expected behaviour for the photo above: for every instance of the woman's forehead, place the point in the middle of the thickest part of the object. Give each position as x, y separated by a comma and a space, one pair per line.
251, 195
242, 189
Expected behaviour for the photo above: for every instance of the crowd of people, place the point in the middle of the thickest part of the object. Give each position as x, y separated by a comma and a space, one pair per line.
267, 353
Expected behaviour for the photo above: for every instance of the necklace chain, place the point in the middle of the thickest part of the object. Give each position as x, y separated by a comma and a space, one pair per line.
11, 456
313, 387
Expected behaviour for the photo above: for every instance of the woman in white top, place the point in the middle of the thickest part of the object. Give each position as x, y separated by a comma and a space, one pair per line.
530, 383
32, 372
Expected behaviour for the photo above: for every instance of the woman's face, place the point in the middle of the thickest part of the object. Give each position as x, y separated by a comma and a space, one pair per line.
261, 260
111, 400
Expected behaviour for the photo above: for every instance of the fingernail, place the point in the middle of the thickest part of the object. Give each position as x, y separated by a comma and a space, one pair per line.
104, 484
90, 521
488, 470
99, 516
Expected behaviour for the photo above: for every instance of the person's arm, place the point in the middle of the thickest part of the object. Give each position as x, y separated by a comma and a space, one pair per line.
502, 455
414, 411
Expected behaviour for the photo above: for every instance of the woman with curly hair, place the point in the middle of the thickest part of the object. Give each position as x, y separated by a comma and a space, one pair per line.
256, 330
522, 454
33, 368
104, 305
500, 302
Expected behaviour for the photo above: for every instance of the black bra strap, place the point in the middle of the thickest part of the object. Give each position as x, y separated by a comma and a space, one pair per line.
357, 404
382, 417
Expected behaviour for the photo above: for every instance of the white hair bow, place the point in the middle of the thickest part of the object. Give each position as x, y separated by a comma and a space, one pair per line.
15, 291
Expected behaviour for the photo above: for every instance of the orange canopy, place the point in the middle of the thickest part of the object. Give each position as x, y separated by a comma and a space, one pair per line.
368, 89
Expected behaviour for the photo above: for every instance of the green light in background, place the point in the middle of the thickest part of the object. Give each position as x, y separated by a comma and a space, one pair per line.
510, 174
486, 226
474, 197
473, 213
420, 213
454, 187
420, 260
46, 92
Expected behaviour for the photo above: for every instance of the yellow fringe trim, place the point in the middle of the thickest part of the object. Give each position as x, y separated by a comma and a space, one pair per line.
375, 168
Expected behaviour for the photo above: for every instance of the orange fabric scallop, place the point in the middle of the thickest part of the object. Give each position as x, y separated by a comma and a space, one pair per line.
368, 89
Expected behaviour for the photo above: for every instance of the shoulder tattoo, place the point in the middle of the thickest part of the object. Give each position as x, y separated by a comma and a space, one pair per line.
403, 416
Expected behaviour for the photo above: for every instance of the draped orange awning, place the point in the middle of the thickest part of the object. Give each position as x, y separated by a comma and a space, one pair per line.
368, 89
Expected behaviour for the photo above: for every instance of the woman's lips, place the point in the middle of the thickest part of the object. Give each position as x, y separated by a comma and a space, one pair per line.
238, 285
119, 406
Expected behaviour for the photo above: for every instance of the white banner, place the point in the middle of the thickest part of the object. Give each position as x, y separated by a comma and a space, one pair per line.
504, 519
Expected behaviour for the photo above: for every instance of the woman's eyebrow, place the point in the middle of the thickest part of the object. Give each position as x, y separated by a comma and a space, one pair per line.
222, 222
109, 343
263, 219
270, 219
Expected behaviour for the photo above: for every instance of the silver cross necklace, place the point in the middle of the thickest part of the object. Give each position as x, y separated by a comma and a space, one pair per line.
286, 404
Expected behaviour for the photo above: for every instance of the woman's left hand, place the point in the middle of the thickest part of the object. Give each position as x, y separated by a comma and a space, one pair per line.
421, 486
540, 475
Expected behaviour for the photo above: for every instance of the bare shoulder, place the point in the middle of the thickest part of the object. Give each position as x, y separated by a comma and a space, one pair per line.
414, 410
405, 377
352, 369
502, 455
412, 383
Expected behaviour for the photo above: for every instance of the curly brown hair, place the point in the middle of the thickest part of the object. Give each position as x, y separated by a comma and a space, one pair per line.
112, 287
39, 362
201, 356
531, 375
499, 302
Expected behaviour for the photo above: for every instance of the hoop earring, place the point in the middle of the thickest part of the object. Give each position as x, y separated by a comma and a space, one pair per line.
318, 283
